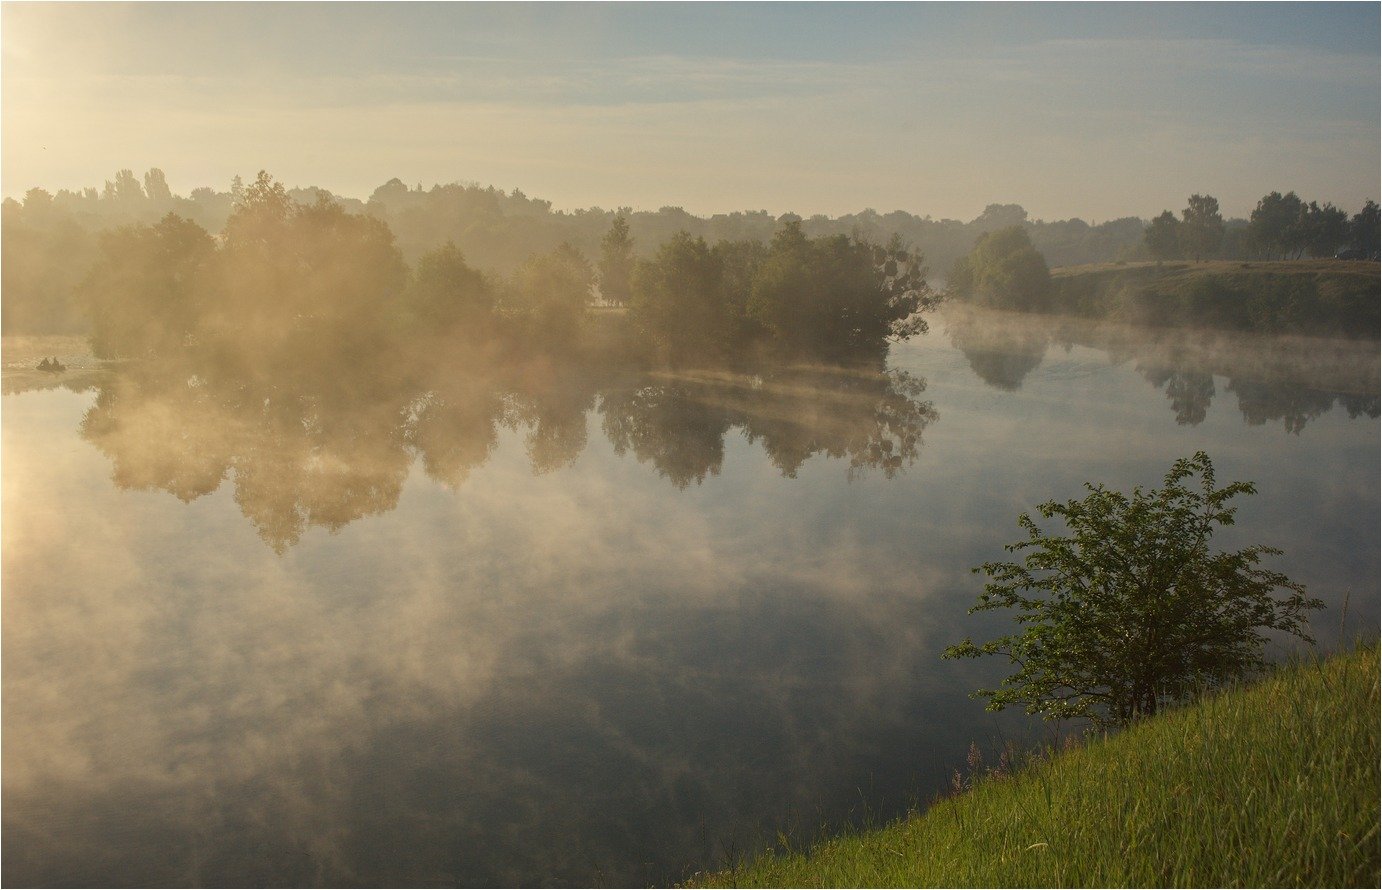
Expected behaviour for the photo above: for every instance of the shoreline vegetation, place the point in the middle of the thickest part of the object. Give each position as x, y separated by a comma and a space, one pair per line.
1317, 298
1314, 297
1268, 784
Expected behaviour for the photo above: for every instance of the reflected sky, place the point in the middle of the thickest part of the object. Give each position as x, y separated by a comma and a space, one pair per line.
561, 630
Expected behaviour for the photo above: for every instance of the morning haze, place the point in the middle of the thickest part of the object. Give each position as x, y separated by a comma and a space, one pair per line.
1097, 112
580, 444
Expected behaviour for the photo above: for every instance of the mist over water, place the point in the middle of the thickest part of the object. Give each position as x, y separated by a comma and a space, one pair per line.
403, 622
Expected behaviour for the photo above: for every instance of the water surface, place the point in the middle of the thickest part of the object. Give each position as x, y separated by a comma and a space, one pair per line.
565, 628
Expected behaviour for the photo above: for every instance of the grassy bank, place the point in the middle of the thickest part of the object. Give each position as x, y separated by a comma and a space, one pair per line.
1310, 297
1273, 785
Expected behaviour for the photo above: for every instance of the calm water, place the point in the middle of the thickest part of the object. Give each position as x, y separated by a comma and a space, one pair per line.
560, 630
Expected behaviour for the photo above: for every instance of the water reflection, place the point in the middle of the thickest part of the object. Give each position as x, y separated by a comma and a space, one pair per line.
556, 665
1291, 380
309, 448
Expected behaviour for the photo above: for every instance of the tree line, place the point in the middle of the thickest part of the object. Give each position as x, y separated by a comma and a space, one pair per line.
298, 281
1280, 227
51, 239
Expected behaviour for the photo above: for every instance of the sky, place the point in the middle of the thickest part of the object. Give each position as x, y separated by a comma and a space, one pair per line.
1089, 110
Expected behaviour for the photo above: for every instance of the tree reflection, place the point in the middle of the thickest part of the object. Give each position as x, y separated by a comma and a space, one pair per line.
1293, 380
1001, 347
322, 444
871, 418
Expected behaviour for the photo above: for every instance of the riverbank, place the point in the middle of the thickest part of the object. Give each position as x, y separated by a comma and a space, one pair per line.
1271, 785
1329, 298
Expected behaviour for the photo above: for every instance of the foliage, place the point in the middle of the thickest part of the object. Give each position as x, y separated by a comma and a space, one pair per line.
553, 289
47, 253
146, 292
1268, 786
1319, 298
306, 278
616, 262
1003, 271
1201, 228
1132, 610
445, 293
1325, 229
1271, 226
837, 297
1163, 236
832, 298
1363, 229
679, 302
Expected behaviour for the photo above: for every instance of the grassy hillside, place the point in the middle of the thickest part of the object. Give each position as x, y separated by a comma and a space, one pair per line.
1273, 785
1314, 297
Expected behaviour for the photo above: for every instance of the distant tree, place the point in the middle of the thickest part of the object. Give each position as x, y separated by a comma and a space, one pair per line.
124, 190
553, 290
1363, 229
1163, 236
37, 201
999, 216
156, 187
145, 294
46, 254
616, 262
739, 263
835, 297
1272, 225
1132, 610
1327, 229
679, 302
446, 293
1003, 271
1202, 227
313, 279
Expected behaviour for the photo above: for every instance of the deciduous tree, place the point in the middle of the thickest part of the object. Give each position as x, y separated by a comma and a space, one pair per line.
1132, 609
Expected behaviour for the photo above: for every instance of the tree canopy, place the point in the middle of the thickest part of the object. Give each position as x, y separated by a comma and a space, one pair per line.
1003, 271
1132, 609
616, 262
1163, 236
1201, 227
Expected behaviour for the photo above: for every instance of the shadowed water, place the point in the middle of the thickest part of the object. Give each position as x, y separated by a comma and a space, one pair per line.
557, 626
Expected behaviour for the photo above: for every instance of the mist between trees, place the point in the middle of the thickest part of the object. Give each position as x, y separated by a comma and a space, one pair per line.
52, 240
286, 283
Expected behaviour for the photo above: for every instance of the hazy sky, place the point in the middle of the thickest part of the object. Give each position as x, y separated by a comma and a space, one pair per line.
1095, 111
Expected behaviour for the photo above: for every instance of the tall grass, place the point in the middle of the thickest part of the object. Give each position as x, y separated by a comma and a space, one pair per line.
1272, 785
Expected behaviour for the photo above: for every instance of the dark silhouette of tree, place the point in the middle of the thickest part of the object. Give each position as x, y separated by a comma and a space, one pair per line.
1163, 236
1270, 228
616, 263
1326, 229
1202, 227
1363, 229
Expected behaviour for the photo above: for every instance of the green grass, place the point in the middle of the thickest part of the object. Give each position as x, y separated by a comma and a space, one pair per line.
1272, 785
